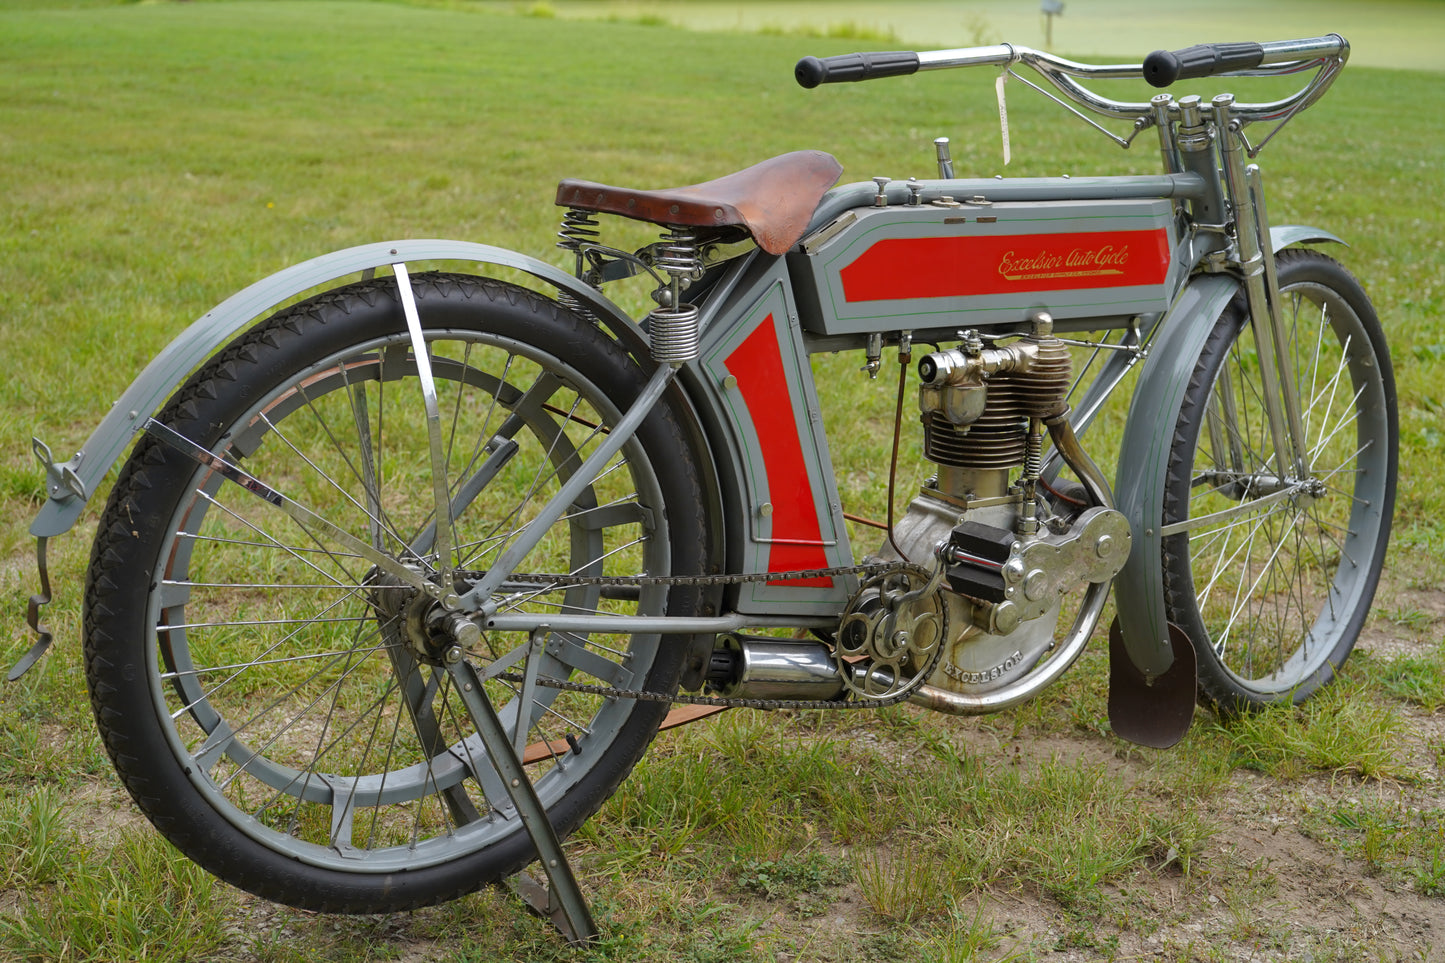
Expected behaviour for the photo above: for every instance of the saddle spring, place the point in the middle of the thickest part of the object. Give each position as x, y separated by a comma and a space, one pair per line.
579, 230
672, 327
673, 332
677, 254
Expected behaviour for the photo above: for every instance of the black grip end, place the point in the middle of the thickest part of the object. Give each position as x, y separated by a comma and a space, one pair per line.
810, 72
1161, 68
850, 68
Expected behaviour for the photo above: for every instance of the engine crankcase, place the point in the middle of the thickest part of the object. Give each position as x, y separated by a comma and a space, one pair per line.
994, 644
974, 660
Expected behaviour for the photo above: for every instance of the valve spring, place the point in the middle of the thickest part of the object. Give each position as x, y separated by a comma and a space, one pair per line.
579, 228
674, 334
1033, 456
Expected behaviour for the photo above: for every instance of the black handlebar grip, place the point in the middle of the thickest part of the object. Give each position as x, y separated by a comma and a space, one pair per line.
1163, 67
811, 71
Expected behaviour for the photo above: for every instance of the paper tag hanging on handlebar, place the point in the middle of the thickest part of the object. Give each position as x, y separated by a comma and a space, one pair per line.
1003, 112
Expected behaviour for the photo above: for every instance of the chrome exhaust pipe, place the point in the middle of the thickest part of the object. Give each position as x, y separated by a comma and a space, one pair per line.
763, 667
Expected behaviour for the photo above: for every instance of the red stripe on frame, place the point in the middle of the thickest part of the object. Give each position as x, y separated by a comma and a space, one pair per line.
898, 269
757, 364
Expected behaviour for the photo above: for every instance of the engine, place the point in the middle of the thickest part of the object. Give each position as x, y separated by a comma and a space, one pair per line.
994, 547
1014, 546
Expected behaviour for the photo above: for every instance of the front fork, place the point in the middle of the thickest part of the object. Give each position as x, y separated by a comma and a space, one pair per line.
1261, 288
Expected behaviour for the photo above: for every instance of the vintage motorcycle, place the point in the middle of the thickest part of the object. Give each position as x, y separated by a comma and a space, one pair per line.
398, 585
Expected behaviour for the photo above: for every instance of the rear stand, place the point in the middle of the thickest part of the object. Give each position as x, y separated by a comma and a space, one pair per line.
561, 901
550, 904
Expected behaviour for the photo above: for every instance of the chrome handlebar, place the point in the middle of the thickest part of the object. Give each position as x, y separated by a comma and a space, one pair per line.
1326, 55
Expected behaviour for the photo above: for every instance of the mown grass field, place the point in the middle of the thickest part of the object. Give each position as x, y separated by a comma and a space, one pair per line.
155, 158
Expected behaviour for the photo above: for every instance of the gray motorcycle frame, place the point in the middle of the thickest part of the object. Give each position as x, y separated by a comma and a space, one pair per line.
751, 288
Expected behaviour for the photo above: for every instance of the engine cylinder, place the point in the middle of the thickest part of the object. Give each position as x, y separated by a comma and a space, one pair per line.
996, 440
1027, 380
1045, 384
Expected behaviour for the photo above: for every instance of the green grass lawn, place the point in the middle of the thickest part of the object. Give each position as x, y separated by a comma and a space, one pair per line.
157, 157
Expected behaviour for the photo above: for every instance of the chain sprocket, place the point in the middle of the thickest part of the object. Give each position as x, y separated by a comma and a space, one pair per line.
891, 624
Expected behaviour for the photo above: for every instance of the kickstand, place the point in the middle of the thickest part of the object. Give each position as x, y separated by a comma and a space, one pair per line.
562, 900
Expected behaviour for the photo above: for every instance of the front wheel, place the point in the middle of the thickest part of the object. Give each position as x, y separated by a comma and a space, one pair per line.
272, 686
1270, 566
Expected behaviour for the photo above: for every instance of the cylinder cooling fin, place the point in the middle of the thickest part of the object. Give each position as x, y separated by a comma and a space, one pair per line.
1027, 379
1045, 384
998, 439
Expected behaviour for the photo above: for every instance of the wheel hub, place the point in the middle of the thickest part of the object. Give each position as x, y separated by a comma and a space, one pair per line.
434, 634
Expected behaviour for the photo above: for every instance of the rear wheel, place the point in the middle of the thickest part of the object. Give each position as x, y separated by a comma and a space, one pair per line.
1271, 568
278, 703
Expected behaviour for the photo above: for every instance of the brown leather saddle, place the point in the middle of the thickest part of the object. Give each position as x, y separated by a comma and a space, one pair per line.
773, 201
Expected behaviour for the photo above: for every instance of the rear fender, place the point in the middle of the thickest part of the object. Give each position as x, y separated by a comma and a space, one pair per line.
69, 485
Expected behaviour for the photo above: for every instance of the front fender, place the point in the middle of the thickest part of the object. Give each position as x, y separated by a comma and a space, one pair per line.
1144, 452
1286, 235
70, 485
1144, 461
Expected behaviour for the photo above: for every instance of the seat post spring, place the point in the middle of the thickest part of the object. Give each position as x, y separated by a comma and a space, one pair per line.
672, 327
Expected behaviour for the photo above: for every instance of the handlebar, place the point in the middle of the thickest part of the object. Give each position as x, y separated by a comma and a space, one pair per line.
1161, 68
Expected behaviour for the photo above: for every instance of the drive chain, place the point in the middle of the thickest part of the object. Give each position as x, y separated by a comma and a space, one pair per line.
558, 580
871, 569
